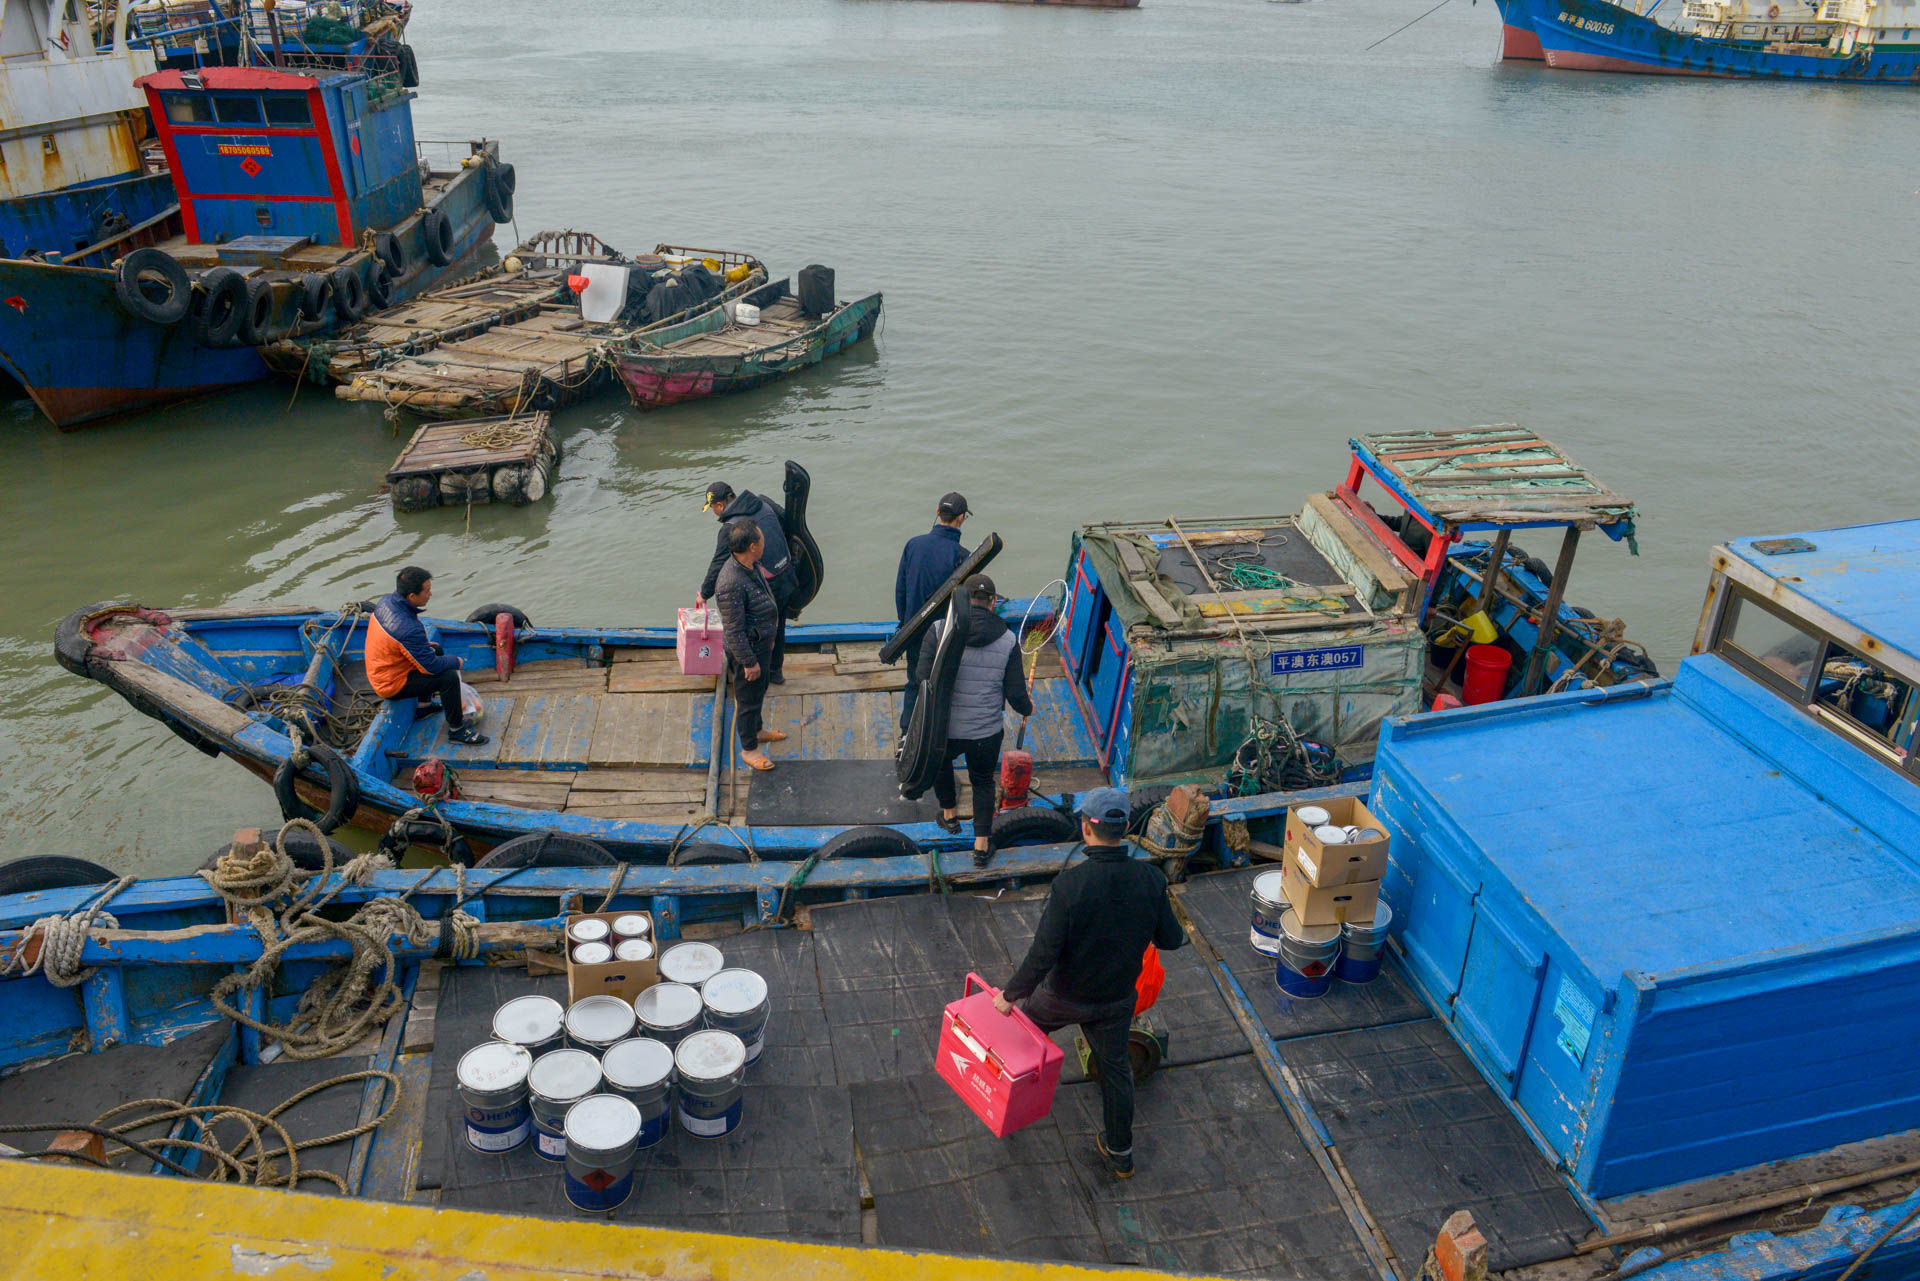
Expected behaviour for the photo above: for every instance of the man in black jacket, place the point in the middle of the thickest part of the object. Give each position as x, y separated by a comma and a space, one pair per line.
1086, 958
926, 562
775, 562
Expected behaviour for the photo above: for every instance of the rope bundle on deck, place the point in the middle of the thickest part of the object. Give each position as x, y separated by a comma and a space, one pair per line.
62, 937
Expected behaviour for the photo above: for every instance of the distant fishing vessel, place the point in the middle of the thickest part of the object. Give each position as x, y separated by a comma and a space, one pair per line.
1850, 40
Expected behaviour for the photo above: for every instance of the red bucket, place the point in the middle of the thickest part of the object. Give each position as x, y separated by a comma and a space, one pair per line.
1486, 678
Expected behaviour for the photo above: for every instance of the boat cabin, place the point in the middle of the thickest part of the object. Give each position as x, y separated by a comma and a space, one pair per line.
1186, 640
1677, 925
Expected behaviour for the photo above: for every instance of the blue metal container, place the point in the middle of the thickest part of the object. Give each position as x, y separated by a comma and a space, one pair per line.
1363, 947
1304, 967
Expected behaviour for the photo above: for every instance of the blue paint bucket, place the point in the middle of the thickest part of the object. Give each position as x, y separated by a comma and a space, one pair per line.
641, 1071
1304, 968
493, 1085
560, 1079
711, 1069
602, 1142
1362, 947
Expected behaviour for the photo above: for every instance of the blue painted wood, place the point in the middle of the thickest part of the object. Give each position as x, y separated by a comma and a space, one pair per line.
205, 1091
103, 998
666, 916
254, 1006
768, 904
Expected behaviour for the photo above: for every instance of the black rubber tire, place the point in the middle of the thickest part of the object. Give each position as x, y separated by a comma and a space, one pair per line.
343, 794
150, 266
380, 282
548, 849
71, 645
1033, 825
300, 847
409, 68
1141, 803
50, 872
1581, 611
872, 841
258, 322
1538, 568
711, 854
436, 229
219, 307
390, 249
416, 493
316, 295
487, 613
349, 293
497, 191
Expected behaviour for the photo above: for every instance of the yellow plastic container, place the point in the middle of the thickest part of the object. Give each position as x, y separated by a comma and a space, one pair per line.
738, 274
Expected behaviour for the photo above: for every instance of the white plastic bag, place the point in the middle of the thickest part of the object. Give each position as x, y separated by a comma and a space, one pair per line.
470, 705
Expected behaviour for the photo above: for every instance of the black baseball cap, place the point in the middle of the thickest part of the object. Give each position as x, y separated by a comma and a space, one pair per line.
953, 505
719, 494
980, 587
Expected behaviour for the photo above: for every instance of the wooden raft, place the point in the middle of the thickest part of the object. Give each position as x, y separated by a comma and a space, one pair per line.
508, 459
444, 315
549, 358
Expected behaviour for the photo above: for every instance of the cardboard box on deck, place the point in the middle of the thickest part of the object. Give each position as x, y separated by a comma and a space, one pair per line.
1322, 864
1327, 904
624, 979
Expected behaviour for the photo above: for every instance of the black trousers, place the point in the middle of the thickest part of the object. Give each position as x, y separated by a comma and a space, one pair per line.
446, 685
983, 771
783, 587
749, 696
912, 659
1107, 1036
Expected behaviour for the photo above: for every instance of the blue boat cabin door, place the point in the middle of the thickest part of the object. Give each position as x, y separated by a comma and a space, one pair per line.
1093, 648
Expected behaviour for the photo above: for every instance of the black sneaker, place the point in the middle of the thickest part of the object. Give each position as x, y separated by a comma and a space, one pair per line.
982, 857
1121, 1167
777, 678
951, 826
424, 708
467, 736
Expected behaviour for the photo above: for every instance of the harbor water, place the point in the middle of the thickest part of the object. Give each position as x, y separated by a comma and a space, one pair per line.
1136, 263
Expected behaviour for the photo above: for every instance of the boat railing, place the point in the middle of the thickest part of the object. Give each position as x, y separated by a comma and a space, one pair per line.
1847, 11
445, 155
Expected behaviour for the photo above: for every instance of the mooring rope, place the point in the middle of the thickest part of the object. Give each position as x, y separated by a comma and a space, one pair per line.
63, 936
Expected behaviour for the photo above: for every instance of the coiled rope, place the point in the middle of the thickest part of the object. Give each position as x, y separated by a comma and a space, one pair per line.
63, 936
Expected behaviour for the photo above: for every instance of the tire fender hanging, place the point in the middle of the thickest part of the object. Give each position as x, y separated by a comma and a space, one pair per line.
437, 231
141, 271
343, 795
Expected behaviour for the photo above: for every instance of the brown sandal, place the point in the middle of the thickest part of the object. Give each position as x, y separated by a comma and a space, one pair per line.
773, 736
763, 764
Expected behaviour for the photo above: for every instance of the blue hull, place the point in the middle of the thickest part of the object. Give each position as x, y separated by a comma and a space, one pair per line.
66, 339
1593, 35
71, 218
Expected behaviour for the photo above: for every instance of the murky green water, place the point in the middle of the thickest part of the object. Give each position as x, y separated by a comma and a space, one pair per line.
1135, 263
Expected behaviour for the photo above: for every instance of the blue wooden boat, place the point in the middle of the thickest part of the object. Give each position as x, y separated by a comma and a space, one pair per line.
1144, 675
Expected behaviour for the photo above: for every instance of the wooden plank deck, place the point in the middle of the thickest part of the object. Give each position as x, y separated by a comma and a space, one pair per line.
647, 729
438, 447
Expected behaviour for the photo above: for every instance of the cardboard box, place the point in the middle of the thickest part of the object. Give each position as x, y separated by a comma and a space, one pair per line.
624, 979
1324, 864
1327, 904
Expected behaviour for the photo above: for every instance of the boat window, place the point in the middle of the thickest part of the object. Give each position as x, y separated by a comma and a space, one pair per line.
237, 111
288, 110
1867, 695
188, 109
1782, 648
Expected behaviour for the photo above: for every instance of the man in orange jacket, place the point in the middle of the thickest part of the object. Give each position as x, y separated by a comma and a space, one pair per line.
403, 663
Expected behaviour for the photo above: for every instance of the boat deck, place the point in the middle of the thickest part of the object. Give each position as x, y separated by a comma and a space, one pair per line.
443, 315
634, 740
779, 321
544, 360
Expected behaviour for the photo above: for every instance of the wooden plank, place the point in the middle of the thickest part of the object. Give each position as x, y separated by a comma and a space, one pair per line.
809, 662
551, 727
1141, 581
1365, 549
1514, 445
850, 726
660, 780
834, 683
643, 729
496, 715
621, 805
646, 654
643, 678
475, 786
857, 652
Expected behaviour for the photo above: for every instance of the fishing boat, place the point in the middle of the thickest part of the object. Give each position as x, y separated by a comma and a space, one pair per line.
189, 34
1845, 40
1248, 655
723, 351
1668, 927
554, 354
302, 199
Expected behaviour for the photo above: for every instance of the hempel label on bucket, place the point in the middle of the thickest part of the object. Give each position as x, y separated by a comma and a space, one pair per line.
1575, 1013
1332, 658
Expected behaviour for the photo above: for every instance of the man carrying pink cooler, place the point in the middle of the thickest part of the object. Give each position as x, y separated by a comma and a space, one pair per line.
1085, 959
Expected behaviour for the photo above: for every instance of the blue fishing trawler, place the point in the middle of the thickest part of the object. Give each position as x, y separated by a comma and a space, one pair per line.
1244, 656
301, 200
1638, 1025
1843, 40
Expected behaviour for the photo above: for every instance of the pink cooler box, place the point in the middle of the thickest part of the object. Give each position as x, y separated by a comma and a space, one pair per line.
699, 642
1003, 1066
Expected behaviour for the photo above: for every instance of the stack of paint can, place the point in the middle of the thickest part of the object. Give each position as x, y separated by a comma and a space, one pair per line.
632, 938
1330, 920
588, 939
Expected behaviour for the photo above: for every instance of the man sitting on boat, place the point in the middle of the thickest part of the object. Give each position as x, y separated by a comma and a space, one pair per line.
775, 563
403, 663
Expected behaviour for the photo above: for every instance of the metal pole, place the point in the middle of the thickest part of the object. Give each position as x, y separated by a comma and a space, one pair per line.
1550, 614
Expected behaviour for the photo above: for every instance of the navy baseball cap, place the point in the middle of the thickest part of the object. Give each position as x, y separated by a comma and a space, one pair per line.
1106, 805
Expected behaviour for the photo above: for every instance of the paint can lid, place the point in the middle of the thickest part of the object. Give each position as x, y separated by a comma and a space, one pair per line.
494, 1065
735, 992
528, 1020
600, 1019
668, 1005
1268, 886
1362, 835
602, 1122
1291, 927
637, 1063
633, 950
710, 1055
691, 963
1375, 929
631, 925
564, 1074
592, 954
588, 929
1328, 834
1313, 816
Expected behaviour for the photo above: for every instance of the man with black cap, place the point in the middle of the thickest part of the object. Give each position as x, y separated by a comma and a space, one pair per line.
776, 566
1087, 954
927, 561
989, 679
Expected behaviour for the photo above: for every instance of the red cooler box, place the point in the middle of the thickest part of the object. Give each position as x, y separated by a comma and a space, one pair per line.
700, 643
1003, 1066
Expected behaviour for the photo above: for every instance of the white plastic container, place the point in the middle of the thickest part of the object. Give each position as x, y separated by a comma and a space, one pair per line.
745, 313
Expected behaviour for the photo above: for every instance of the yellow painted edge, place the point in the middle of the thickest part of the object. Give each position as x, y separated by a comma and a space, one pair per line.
63, 1221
